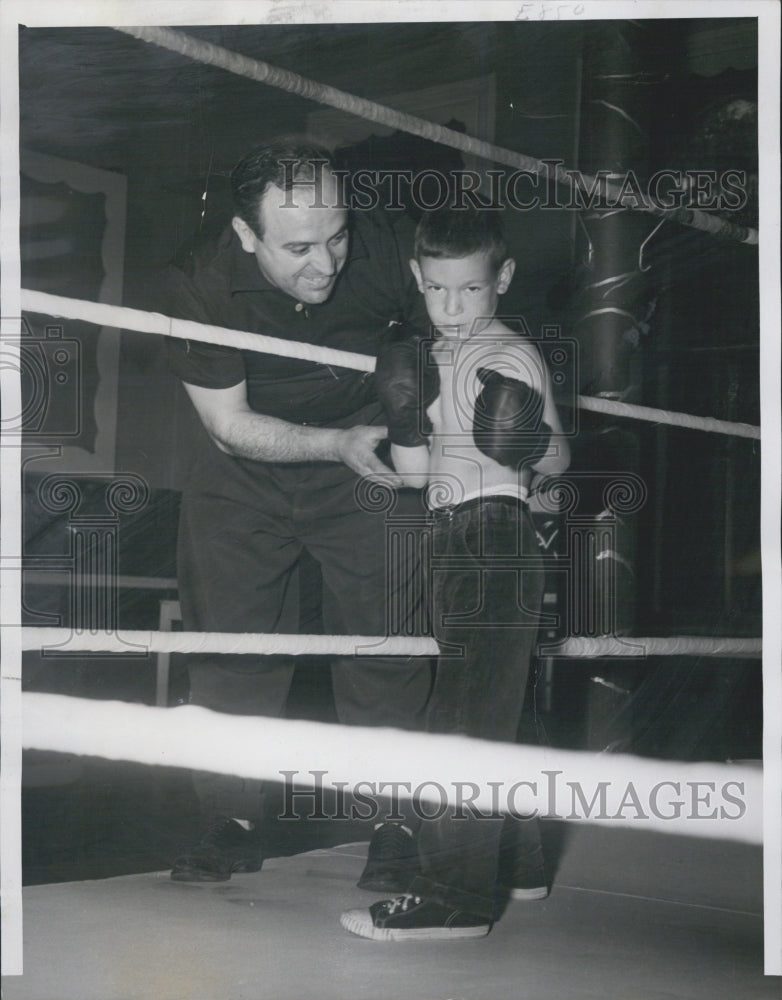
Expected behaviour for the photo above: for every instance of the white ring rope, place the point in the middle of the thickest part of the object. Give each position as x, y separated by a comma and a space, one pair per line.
55, 640
716, 800
648, 413
255, 69
588, 647
121, 317
266, 644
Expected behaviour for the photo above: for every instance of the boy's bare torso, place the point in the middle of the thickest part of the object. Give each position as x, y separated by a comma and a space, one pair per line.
458, 470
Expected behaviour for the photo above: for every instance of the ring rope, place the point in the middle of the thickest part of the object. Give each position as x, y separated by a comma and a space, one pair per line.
726, 799
267, 644
122, 317
614, 407
586, 647
255, 69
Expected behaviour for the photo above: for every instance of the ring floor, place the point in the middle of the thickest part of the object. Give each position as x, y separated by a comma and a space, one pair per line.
632, 915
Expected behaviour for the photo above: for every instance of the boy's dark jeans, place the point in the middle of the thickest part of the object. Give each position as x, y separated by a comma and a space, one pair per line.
487, 590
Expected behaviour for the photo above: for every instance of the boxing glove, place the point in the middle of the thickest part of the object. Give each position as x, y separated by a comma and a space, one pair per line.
407, 383
508, 420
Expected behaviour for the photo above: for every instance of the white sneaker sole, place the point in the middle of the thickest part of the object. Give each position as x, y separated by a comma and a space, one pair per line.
360, 922
527, 895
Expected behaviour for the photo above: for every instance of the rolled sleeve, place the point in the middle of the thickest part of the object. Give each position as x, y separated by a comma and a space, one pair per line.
205, 365
210, 366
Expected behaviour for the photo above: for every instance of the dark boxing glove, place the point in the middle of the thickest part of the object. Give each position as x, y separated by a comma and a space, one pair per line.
407, 382
508, 421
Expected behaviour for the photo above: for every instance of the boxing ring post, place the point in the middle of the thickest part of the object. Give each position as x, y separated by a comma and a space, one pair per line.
11, 410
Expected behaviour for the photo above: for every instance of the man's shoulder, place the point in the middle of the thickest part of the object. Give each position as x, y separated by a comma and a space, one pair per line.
197, 282
383, 232
208, 256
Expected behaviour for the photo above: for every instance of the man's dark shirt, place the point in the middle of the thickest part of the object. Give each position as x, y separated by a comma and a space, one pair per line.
222, 285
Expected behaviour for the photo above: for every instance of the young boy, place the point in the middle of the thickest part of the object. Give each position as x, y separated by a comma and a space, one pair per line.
471, 415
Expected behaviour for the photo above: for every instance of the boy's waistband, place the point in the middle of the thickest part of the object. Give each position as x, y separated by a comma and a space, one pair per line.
490, 498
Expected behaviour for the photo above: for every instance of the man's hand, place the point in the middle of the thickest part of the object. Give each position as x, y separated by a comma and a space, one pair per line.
356, 448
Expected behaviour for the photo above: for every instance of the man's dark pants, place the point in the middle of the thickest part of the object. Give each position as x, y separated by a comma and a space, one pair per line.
243, 526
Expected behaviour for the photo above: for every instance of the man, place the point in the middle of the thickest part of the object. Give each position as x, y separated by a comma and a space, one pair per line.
289, 441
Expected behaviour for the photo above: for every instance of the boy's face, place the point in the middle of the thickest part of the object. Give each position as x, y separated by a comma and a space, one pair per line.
461, 292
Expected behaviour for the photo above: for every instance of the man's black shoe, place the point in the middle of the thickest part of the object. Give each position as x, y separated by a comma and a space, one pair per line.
225, 848
392, 860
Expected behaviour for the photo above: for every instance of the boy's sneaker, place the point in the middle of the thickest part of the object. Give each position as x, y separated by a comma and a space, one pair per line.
225, 848
522, 872
392, 860
527, 893
411, 918
525, 877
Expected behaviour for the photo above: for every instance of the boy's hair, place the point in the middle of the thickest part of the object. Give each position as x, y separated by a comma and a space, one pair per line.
461, 232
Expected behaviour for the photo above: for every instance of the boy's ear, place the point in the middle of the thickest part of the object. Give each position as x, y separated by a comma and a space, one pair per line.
246, 236
505, 275
416, 269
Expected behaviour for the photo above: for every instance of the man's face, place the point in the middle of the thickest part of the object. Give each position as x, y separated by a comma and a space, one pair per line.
461, 292
305, 238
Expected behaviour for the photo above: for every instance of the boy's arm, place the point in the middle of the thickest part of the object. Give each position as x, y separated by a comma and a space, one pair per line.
412, 464
407, 383
516, 419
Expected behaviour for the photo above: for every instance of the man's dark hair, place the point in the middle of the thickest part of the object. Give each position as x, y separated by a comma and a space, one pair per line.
282, 162
460, 232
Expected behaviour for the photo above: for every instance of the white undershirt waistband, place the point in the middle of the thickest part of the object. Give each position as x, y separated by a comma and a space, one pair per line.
518, 492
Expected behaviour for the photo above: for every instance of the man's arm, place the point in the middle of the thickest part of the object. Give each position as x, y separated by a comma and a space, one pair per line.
238, 430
